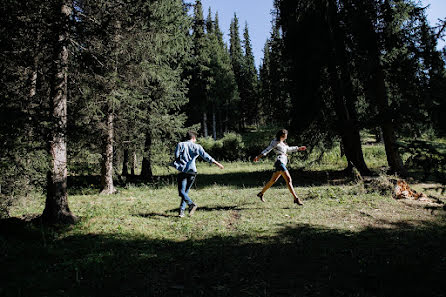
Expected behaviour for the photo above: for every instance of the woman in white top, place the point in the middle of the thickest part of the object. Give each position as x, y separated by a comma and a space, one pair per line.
281, 149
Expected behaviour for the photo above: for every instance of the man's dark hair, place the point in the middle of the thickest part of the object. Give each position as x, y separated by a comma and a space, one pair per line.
281, 133
191, 134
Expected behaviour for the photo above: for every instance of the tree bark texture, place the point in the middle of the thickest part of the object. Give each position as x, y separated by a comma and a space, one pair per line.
393, 156
134, 162
146, 169
107, 157
214, 124
56, 206
125, 163
204, 124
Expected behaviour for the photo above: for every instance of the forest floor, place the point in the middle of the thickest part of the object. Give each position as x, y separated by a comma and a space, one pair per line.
345, 240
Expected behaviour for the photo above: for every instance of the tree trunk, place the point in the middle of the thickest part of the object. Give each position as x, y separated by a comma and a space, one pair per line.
226, 128
33, 79
343, 95
377, 90
125, 163
107, 157
219, 121
393, 156
134, 162
204, 124
146, 169
348, 128
56, 206
214, 124
378, 135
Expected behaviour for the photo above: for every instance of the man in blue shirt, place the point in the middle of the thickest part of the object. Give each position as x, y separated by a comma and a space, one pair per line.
185, 155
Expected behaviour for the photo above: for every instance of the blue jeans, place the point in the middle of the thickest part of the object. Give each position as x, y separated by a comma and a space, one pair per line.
185, 182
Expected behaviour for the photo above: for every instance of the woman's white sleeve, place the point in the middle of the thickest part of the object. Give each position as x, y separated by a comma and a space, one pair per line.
292, 149
272, 145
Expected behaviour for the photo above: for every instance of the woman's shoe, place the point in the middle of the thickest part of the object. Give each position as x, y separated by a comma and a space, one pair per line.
260, 195
298, 201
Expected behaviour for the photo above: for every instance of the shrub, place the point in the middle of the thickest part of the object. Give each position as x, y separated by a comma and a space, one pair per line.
228, 148
232, 148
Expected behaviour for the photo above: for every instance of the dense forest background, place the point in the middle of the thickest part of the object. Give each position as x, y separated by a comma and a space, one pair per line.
108, 87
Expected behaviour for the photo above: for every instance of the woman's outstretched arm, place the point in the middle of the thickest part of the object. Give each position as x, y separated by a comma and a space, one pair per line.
292, 149
270, 147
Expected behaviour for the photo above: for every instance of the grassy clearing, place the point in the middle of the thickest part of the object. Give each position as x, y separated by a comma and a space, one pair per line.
342, 242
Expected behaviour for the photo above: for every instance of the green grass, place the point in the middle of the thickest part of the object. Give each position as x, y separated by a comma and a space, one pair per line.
342, 242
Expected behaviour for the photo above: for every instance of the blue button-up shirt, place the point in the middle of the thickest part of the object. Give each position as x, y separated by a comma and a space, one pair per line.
185, 155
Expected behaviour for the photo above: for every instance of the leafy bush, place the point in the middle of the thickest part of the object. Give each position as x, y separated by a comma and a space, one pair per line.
228, 148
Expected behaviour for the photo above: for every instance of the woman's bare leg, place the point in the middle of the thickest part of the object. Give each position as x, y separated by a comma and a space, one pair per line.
271, 182
289, 182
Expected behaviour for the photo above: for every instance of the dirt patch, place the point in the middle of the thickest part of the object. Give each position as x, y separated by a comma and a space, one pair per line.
233, 218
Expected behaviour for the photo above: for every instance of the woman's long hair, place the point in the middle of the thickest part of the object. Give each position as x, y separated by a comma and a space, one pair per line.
281, 133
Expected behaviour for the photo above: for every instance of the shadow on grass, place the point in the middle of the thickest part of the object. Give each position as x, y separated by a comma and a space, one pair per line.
240, 180
301, 260
174, 212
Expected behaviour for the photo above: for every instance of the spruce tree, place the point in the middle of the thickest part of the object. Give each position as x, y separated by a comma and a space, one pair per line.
265, 85
223, 89
249, 89
199, 83
237, 61
281, 106
56, 204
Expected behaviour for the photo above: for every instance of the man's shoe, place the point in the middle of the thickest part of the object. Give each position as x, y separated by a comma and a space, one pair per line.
260, 195
192, 209
181, 214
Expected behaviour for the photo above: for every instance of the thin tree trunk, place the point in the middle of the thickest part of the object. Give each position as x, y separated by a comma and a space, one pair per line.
125, 163
56, 205
33, 80
107, 157
214, 124
227, 118
219, 122
146, 169
134, 162
204, 124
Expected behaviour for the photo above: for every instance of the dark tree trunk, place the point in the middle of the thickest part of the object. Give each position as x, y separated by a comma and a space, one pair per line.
146, 169
376, 86
341, 85
226, 120
107, 157
348, 128
393, 156
214, 123
56, 206
125, 163
204, 124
